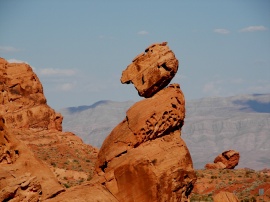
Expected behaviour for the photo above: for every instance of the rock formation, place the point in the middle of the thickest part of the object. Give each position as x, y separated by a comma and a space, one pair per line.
23, 104
32, 141
151, 70
225, 197
227, 160
144, 157
23, 177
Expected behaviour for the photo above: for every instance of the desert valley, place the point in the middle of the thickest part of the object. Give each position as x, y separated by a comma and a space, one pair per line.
161, 148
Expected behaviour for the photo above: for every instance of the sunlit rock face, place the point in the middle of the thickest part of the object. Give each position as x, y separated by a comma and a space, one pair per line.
23, 104
227, 160
144, 158
151, 70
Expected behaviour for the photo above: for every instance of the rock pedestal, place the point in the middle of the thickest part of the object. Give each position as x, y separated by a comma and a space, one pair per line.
144, 158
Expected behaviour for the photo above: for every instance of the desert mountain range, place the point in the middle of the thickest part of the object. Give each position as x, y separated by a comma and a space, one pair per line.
212, 125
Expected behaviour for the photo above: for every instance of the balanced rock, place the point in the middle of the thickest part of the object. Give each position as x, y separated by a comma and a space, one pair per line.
144, 158
151, 70
227, 160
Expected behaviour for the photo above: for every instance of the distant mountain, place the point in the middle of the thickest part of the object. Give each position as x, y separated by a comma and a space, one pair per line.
212, 125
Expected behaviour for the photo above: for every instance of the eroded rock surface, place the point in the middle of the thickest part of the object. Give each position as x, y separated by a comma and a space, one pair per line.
23, 104
144, 157
227, 160
23, 177
35, 151
151, 70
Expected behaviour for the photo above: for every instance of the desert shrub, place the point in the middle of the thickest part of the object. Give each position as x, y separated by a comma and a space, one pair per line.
66, 185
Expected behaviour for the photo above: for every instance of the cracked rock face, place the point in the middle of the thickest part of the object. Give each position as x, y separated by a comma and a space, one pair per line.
23, 104
151, 70
227, 160
144, 158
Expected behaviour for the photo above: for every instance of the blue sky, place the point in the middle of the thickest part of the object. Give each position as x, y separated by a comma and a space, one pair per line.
79, 48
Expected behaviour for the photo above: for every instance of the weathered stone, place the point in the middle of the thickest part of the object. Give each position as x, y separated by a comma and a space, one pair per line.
144, 157
22, 101
31, 134
23, 177
226, 160
152, 70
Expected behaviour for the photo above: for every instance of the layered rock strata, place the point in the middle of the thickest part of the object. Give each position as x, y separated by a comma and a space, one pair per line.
227, 160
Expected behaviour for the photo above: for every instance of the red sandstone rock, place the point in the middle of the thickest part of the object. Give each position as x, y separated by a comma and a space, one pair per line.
23, 177
152, 70
92, 192
225, 197
144, 157
22, 101
34, 135
226, 160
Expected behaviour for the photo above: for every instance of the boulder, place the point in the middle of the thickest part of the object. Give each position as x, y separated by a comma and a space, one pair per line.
225, 197
144, 158
151, 70
227, 160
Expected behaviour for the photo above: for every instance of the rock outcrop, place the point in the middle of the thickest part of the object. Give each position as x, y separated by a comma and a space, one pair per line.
23, 104
144, 157
225, 197
151, 70
32, 144
23, 177
227, 160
